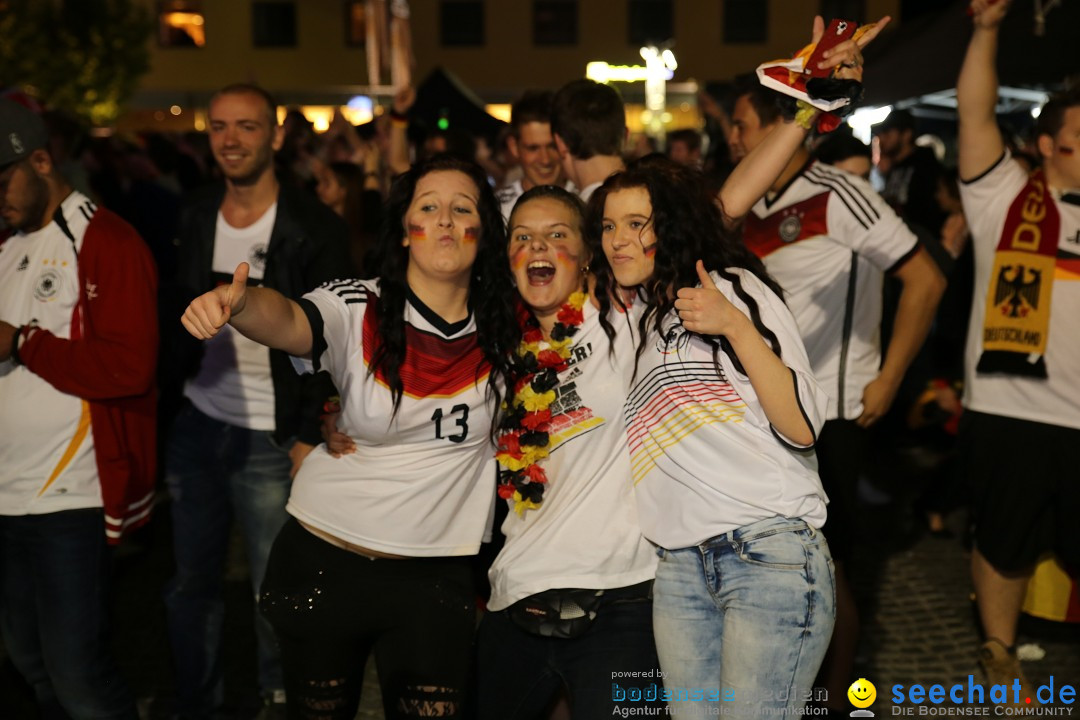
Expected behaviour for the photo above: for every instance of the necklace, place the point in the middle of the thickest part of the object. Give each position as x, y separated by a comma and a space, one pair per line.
524, 440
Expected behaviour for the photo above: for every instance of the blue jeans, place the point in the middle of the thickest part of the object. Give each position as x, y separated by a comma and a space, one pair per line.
743, 620
214, 471
54, 612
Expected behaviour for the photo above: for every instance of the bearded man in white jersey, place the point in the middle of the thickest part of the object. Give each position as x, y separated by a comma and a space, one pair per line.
250, 420
1022, 361
78, 345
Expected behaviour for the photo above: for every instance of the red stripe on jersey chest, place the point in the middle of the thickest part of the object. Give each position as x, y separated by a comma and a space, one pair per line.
434, 366
800, 221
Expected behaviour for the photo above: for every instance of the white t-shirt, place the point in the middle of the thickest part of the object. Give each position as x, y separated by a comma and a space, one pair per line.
422, 481
586, 534
586, 192
233, 384
1056, 399
703, 454
47, 461
827, 239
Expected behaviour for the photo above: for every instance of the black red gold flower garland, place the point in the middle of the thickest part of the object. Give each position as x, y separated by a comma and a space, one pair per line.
527, 417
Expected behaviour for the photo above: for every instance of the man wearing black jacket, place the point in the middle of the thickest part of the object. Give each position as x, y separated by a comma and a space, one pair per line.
249, 419
912, 174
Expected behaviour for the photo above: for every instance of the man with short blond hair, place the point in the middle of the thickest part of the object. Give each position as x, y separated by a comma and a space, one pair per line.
250, 419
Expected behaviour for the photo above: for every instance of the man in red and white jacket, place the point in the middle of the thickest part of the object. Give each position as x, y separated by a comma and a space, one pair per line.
78, 339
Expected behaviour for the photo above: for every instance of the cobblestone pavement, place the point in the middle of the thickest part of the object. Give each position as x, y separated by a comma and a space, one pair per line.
913, 590
918, 614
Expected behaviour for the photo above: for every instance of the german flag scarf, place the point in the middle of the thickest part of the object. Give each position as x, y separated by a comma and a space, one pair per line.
1021, 284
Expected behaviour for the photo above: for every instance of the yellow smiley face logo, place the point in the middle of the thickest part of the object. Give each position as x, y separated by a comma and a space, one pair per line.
862, 693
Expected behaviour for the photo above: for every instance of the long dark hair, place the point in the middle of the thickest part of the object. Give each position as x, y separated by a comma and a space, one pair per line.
491, 291
689, 225
350, 177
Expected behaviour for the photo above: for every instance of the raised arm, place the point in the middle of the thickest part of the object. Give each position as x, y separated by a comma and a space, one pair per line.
756, 173
398, 155
980, 143
264, 315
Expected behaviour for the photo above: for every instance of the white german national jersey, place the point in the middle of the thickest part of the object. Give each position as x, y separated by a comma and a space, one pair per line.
47, 461
1056, 399
586, 534
422, 481
233, 384
827, 238
703, 454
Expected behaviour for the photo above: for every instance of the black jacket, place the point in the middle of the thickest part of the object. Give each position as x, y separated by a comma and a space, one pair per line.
308, 246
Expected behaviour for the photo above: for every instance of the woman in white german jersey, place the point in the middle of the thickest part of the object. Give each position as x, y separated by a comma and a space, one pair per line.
375, 557
721, 419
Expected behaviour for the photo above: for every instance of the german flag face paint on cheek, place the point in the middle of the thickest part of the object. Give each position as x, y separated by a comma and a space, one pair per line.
1066, 150
567, 260
517, 260
472, 234
416, 232
649, 251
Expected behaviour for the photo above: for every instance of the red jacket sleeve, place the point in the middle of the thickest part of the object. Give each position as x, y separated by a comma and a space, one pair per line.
113, 350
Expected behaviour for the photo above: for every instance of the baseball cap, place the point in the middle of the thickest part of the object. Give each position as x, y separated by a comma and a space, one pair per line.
22, 131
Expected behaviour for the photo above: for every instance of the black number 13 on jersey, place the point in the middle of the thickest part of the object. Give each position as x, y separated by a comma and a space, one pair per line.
460, 415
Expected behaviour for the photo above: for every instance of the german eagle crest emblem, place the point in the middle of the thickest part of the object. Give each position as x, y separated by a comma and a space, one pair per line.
1017, 294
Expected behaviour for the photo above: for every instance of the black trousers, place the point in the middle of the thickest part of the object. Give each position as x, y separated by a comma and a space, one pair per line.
331, 608
519, 673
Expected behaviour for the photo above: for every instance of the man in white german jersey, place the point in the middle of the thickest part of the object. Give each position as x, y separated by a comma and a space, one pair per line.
1022, 361
828, 239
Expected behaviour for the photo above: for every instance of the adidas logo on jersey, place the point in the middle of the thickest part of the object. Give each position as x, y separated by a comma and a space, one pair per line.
25, 263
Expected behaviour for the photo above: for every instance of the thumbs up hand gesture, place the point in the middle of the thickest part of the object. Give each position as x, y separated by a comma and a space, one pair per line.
705, 310
209, 312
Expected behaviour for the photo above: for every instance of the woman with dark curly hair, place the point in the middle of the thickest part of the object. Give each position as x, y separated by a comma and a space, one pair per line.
721, 420
375, 556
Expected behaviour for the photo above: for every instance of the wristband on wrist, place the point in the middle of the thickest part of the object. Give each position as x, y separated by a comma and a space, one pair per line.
806, 115
332, 405
398, 118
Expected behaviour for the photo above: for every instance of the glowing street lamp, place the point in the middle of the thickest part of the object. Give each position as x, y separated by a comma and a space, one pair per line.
659, 68
603, 73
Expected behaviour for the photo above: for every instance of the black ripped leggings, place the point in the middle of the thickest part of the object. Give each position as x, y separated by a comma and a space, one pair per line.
331, 607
